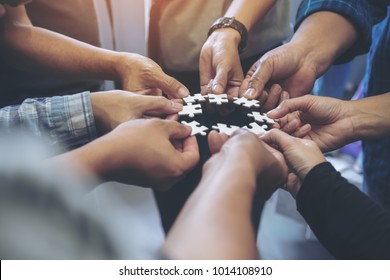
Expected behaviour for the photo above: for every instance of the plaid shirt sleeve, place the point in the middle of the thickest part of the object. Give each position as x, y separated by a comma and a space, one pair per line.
67, 120
363, 14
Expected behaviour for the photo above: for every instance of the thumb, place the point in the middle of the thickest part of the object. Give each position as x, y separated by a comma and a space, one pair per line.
177, 130
278, 138
257, 79
172, 87
290, 105
220, 80
216, 141
159, 105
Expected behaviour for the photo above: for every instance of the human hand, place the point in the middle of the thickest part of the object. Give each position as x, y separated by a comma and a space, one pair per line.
301, 155
150, 153
326, 121
142, 75
220, 62
289, 66
259, 164
2, 10
111, 108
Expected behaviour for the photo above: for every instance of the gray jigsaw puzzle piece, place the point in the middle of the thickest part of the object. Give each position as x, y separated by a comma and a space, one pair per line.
197, 128
191, 110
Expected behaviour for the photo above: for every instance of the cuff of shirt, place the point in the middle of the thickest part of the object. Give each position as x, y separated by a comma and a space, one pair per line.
354, 11
73, 120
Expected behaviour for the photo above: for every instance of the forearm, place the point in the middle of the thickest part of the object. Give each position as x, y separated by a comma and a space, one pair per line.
370, 117
66, 120
324, 36
346, 221
249, 12
36, 49
215, 221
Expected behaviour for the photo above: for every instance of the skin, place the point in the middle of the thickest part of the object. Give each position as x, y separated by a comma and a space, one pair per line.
301, 156
319, 41
149, 153
219, 65
32, 48
223, 199
322, 118
111, 108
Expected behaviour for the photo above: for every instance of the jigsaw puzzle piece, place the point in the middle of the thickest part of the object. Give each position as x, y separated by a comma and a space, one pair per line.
190, 99
191, 110
262, 118
255, 128
218, 99
197, 128
229, 130
249, 103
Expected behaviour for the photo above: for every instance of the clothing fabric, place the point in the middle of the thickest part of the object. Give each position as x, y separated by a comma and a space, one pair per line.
372, 20
46, 211
348, 223
74, 18
178, 30
66, 120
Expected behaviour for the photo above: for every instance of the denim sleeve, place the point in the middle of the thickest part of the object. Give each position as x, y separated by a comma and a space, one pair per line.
363, 14
67, 120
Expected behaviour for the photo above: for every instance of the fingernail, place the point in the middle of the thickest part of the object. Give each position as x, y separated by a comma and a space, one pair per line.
183, 92
250, 93
177, 106
217, 88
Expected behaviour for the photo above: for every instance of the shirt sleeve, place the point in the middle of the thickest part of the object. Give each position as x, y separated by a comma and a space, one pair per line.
348, 223
363, 14
67, 120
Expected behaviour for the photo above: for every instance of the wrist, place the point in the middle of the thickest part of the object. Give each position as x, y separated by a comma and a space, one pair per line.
231, 23
226, 36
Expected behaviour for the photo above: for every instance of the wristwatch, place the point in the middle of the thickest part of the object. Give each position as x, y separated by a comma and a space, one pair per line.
231, 22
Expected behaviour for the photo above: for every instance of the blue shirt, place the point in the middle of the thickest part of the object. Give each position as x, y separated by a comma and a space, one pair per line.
67, 120
372, 20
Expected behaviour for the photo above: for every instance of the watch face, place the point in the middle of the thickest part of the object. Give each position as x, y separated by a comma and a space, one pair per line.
227, 21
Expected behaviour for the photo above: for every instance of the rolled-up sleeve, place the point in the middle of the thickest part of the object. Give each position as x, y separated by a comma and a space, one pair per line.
363, 14
66, 120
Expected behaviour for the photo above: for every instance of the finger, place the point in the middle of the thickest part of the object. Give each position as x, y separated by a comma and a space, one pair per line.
173, 117
220, 80
291, 126
206, 73
302, 131
278, 138
177, 130
159, 105
274, 95
172, 87
259, 79
291, 105
216, 141
190, 155
285, 96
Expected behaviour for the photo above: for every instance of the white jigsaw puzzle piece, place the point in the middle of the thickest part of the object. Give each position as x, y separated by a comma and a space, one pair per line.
197, 128
256, 128
246, 102
191, 110
261, 118
194, 98
218, 99
229, 130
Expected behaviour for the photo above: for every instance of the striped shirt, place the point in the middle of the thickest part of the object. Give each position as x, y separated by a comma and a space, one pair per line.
67, 120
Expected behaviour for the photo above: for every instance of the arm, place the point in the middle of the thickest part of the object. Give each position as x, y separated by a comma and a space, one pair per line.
74, 120
347, 222
359, 120
26, 46
67, 120
325, 31
222, 202
219, 58
146, 152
